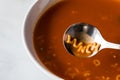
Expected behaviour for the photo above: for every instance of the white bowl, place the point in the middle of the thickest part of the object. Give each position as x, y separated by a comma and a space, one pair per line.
35, 13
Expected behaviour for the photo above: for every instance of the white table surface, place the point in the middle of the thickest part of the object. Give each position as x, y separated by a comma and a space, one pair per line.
14, 61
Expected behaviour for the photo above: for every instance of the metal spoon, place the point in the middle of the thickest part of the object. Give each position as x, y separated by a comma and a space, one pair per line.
85, 40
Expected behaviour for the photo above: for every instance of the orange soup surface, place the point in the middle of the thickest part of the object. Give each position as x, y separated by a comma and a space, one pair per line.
48, 39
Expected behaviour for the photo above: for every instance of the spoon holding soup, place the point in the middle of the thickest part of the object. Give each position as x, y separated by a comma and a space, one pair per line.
85, 40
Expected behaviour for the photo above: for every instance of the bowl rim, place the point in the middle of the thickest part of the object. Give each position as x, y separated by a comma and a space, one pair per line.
24, 39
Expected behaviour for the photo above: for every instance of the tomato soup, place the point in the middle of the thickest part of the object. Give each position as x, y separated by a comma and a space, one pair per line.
48, 39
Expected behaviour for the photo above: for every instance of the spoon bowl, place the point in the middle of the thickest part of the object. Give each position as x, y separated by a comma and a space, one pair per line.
85, 40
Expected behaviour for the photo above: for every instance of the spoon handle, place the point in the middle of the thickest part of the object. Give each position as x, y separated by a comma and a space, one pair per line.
112, 45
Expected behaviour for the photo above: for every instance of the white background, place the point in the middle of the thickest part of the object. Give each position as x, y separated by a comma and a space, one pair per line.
14, 61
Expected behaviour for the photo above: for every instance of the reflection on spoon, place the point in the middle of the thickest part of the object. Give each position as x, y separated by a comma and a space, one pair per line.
85, 40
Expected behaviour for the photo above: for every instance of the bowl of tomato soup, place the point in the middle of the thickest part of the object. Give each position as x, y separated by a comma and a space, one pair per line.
43, 35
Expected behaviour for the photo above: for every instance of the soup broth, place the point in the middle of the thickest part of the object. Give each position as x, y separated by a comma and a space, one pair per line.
48, 39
